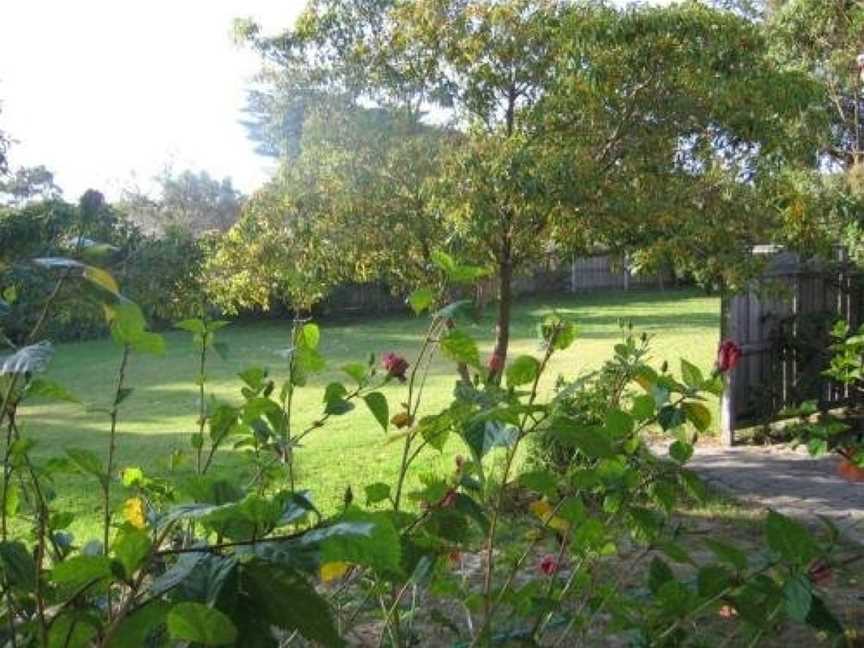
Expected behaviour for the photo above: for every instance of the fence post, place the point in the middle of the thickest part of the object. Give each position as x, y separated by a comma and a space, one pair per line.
572, 273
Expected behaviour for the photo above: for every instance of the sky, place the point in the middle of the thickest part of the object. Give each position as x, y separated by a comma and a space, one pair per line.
107, 93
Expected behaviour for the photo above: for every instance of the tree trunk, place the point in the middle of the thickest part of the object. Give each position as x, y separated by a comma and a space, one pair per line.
505, 302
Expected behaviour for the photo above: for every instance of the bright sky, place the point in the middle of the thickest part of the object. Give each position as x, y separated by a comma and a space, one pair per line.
99, 90
106, 93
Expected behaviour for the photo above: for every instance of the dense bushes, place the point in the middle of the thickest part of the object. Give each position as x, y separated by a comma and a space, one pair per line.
207, 557
161, 273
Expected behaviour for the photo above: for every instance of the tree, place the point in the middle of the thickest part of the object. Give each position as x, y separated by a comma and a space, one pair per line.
579, 123
350, 206
29, 183
193, 202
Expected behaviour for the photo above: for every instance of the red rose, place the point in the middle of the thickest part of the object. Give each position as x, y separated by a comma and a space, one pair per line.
395, 365
448, 500
728, 355
496, 363
820, 573
548, 564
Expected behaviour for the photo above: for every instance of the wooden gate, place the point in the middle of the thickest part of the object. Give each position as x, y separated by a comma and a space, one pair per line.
782, 324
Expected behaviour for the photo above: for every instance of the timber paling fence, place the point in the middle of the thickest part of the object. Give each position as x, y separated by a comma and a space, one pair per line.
783, 324
553, 276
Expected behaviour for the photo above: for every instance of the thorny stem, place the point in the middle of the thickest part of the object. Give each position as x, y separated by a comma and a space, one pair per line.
135, 586
202, 418
493, 522
413, 407
112, 447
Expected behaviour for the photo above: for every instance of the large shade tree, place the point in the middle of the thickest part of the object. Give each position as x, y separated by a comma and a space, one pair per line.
649, 129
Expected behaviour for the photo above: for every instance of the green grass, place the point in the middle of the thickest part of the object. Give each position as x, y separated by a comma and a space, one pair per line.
350, 450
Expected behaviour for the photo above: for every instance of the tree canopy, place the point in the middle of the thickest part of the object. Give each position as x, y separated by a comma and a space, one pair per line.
555, 126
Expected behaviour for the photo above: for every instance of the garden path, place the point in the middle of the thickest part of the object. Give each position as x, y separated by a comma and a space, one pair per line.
786, 480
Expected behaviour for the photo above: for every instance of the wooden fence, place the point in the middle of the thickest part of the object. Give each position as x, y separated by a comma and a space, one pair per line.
553, 276
782, 324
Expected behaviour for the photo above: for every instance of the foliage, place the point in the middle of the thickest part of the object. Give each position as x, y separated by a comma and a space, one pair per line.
162, 274
573, 126
215, 561
188, 204
823, 431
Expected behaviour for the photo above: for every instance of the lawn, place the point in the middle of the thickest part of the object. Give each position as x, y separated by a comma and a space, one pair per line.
351, 450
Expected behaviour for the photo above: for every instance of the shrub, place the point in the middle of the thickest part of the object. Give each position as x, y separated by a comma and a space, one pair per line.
215, 560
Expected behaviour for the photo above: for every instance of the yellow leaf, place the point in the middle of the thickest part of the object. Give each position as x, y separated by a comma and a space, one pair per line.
133, 512
333, 570
543, 510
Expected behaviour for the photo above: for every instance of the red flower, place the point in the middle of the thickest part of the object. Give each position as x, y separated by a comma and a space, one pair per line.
496, 363
728, 355
820, 573
448, 500
454, 556
395, 365
548, 564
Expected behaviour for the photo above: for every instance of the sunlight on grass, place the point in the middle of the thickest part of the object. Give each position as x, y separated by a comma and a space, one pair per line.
351, 450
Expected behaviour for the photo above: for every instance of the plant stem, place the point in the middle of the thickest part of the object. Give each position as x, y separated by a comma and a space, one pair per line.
493, 522
112, 447
202, 419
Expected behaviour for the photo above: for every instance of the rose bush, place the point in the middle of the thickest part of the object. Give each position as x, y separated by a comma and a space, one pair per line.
210, 559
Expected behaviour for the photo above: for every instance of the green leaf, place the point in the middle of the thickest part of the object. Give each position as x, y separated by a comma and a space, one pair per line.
193, 325
681, 452
659, 573
421, 300
19, 568
129, 327
72, 630
283, 598
253, 377
727, 553
821, 618
357, 371
698, 415
564, 332
88, 462
712, 580
540, 481
135, 629
790, 539
522, 370
338, 407
797, 598
691, 374
619, 424
101, 278
80, 570
377, 404
643, 407
592, 441
459, 346
334, 391
199, 623
377, 492
44, 388
131, 547
363, 538
309, 336
670, 417
456, 272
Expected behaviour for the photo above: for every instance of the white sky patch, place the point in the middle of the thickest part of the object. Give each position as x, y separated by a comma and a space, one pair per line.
106, 93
